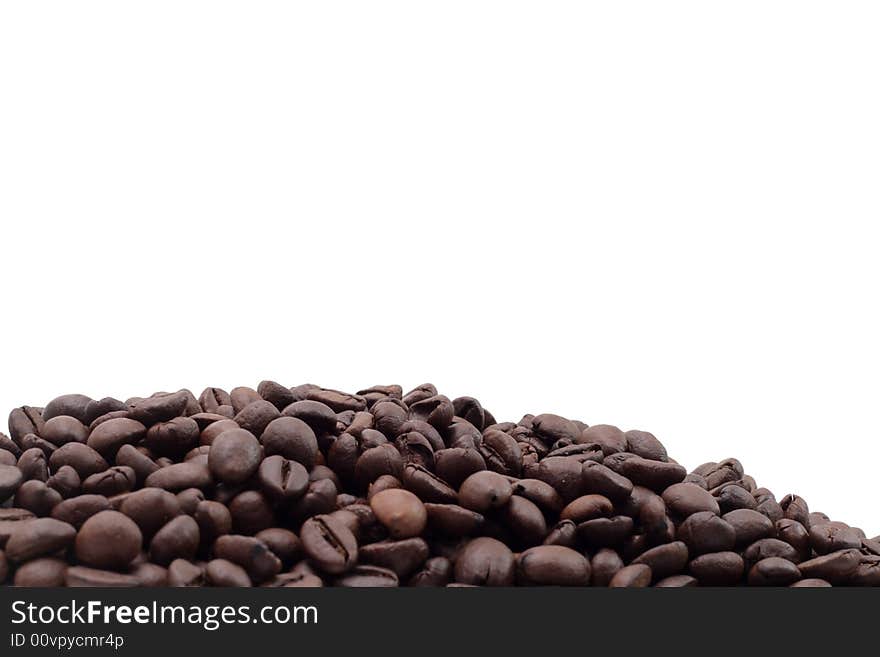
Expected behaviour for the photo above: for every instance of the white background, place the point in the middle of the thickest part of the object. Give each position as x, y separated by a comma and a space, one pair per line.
656, 215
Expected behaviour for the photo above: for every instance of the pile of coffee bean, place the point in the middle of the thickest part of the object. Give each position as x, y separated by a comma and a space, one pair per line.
309, 486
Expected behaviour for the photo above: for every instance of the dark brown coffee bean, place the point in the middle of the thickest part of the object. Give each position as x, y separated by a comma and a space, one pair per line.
400, 511
831, 538
456, 464
10, 480
184, 573
180, 476
281, 479
414, 449
705, 532
283, 543
82, 576
552, 428
587, 507
158, 409
33, 464
685, 499
766, 548
540, 493
220, 572
608, 437
732, 496
795, 508
632, 576
426, 485
177, 539
150, 509
749, 525
72, 405
453, 520
837, 567
665, 560
656, 475
329, 543
597, 478
525, 521
605, 532
38, 537
113, 481
251, 512
485, 561
212, 398
76, 510
773, 571
25, 420
65, 481
553, 565
436, 571
644, 444
37, 497
718, 569
378, 461
501, 453
45, 572
484, 490
80, 457
338, 401
251, 554
604, 565
319, 498
149, 575
436, 411
235, 456
291, 438
368, 577
108, 540
403, 557
108, 437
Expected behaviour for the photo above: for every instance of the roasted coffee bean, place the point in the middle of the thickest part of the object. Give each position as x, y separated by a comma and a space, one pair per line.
251, 512
597, 478
38, 537
484, 490
453, 520
485, 561
66, 481
608, 437
113, 481
172, 438
183, 573
189, 499
25, 420
177, 539
403, 557
705, 532
436, 411
587, 507
108, 437
831, 538
281, 479
149, 574
385, 482
10, 479
44, 572
539, 492
368, 577
283, 542
644, 444
836, 567
525, 521
426, 485
213, 520
665, 560
76, 510
685, 499
604, 566
605, 532
718, 569
414, 448
795, 508
501, 452
180, 476
436, 571
456, 464
108, 540
138, 461
220, 572
400, 511
33, 465
158, 409
329, 543
656, 475
235, 455
150, 509
632, 576
677, 581
251, 554
82, 576
80, 457
766, 548
749, 525
774, 571
553, 565
37, 497
552, 428
73, 405
319, 498
731, 497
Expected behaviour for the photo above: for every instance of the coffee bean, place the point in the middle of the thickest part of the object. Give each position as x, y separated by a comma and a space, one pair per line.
329, 543
108, 437
718, 569
400, 511
632, 576
484, 490
553, 565
773, 571
44, 572
749, 525
180, 476
108, 540
158, 409
33, 465
604, 565
456, 464
82, 458
172, 438
686, 499
76, 510
73, 405
769, 547
485, 561
235, 455
150, 509
283, 543
220, 572
177, 539
436, 571
38, 537
251, 512
605, 532
82, 576
185, 574
587, 507
608, 437
403, 557
837, 567
282, 479
369, 577
25, 420
525, 521
251, 554
665, 560
831, 538
426, 485
705, 532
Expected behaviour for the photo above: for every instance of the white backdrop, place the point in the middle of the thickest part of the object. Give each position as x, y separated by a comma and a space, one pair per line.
656, 215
